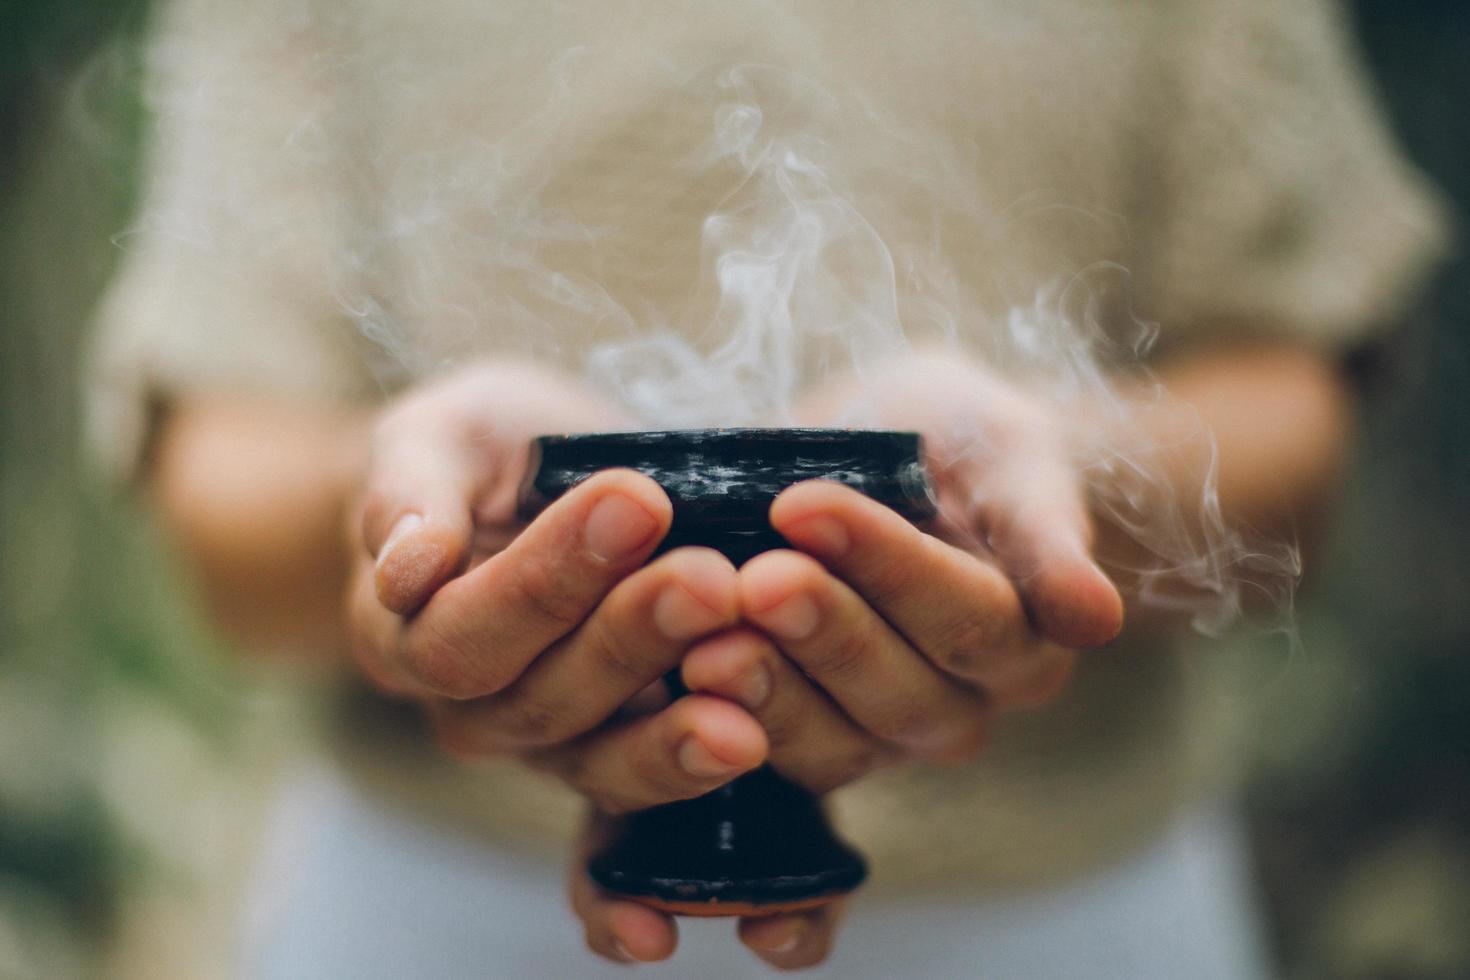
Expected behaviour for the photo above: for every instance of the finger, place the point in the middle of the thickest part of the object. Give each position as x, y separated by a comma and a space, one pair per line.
637, 634
871, 671
374, 635
416, 513
480, 631
1029, 511
1040, 678
794, 941
811, 741
963, 614
621, 931
695, 745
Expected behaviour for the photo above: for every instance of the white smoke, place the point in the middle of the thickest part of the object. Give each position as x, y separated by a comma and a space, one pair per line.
794, 265
807, 234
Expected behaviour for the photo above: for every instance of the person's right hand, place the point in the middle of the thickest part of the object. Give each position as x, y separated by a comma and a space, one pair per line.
526, 638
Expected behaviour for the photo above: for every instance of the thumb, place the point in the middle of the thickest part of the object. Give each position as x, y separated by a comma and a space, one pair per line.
417, 520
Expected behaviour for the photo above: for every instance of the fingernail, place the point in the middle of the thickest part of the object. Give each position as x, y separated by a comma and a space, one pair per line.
680, 616
796, 931
406, 525
752, 688
700, 761
622, 953
617, 527
794, 619
824, 535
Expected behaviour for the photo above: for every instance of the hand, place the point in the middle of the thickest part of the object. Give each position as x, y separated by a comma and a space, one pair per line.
876, 641
527, 639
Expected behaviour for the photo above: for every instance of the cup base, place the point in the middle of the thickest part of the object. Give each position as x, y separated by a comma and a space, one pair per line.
714, 908
759, 845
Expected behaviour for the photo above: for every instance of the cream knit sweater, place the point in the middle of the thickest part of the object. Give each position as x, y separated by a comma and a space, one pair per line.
344, 197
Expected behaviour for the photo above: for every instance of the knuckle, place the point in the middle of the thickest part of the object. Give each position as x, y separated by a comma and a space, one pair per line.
784, 724
534, 722
536, 588
624, 661
438, 662
837, 661
843, 656
889, 582
963, 646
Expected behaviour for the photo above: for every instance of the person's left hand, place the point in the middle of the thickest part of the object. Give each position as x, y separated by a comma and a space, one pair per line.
872, 641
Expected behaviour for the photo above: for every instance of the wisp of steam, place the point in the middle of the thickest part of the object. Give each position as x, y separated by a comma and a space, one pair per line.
792, 247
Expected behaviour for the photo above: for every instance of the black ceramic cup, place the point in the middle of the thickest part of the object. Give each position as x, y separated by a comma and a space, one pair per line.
759, 844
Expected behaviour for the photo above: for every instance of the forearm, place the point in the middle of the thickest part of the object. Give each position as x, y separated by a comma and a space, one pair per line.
1265, 428
255, 492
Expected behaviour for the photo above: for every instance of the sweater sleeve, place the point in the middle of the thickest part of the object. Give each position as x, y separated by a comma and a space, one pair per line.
1278, 201
232, 273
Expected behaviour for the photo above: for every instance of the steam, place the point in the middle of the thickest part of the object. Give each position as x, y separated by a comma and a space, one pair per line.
794, 265
772, 234
1190, 560
805, 285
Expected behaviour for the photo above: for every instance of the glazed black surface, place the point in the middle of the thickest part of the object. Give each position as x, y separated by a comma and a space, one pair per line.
759, 839
728, 477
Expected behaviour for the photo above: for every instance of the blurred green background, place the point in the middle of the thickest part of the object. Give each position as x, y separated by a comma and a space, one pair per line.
124, 733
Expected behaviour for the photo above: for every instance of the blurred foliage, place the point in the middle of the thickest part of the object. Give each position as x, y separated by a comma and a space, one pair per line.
1361, 800
1363, 832
40, 45
83, 661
